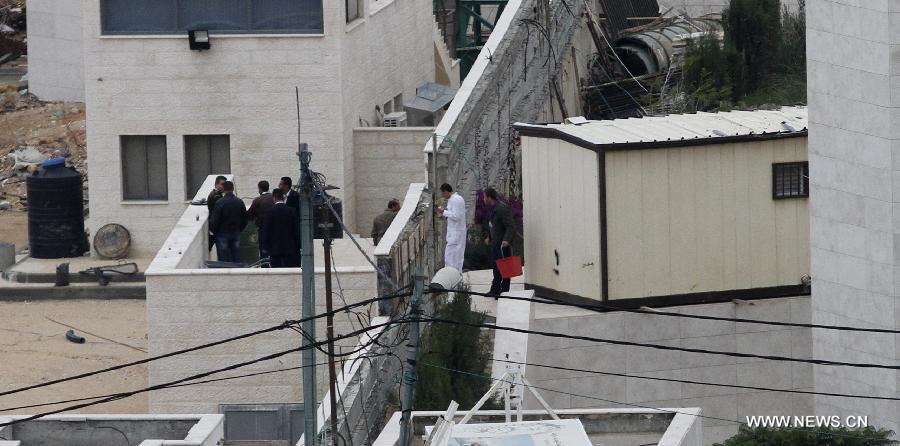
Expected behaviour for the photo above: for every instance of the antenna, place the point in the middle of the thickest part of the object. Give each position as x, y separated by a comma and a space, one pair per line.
297, 92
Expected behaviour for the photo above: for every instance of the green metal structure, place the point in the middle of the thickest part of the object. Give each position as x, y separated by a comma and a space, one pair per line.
469, 17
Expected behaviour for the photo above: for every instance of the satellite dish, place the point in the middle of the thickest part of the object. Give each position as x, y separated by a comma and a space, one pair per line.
112, 241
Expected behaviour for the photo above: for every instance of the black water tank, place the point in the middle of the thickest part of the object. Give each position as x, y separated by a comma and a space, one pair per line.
56, 211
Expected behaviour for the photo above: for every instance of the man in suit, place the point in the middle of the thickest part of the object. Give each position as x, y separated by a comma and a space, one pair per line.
211, 199
383, 221
228, 220
281, 233
257, 213
292, 198
499, 233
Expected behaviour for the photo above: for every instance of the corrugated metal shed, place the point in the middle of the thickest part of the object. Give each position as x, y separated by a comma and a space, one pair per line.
686, 127
618, 12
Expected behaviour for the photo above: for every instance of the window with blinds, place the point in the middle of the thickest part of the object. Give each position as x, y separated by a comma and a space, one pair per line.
205, 155
224, 16
790, 180
144, 172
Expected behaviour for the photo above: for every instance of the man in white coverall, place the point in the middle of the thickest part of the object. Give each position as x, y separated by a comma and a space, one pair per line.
455, 213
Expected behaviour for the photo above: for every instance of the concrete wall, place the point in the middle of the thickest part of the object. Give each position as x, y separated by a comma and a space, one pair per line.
720, 402
388, 52
188, 305
91, 430
56, 50
386, 160
855, 174
696, 219
244, 87
189, 309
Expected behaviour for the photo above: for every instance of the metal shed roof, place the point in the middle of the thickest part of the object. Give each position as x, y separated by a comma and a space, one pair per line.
686, 129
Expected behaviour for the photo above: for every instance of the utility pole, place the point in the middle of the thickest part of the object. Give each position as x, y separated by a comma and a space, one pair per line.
308, 302
332, 376
412, 352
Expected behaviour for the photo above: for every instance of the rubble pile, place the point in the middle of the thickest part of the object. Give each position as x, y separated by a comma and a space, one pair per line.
31, 132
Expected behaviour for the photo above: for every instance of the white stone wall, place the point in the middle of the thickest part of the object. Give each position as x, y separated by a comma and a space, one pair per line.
720, 402
386, 160
184, 310
244, 87
56, 50
389, 51
854, 162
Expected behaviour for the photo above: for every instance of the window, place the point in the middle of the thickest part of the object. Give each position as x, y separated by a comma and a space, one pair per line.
353, 10
144, 174
228, 16
205, 155
790, 180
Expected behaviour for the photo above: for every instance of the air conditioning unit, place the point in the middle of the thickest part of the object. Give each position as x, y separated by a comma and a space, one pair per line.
396, 119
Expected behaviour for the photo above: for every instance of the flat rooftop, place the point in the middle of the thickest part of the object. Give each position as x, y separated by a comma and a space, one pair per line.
608, 427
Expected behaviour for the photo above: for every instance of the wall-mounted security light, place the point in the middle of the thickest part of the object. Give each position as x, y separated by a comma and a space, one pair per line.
198, 39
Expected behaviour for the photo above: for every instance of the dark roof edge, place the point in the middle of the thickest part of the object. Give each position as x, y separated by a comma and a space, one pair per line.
673, 300
555, 133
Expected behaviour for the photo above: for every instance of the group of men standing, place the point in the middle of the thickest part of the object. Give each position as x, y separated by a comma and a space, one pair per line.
499, 230
274, 213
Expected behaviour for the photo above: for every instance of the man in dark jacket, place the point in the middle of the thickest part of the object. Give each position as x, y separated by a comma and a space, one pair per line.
257, 213
281, 233
499, 233
292, 198
383, 221
228, 220
211, 199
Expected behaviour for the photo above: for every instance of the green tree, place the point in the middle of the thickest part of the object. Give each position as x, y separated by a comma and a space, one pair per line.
455, 347
753, 29
763, 436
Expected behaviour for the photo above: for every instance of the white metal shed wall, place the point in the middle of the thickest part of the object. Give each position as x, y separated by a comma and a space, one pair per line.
560, 188
697, 219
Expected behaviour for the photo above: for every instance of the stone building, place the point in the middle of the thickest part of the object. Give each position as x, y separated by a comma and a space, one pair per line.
163, 116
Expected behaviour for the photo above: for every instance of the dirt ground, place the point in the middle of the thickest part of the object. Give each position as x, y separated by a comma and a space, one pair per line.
34, 349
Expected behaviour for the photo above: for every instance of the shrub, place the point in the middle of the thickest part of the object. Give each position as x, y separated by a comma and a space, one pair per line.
765, 436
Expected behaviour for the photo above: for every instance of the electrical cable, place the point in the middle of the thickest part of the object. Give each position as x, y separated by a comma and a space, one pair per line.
597, 307
665, 347
192, 377
283, 326
701, 383
321, 189
699, 415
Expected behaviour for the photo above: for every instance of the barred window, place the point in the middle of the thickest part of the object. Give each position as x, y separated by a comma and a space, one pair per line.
228, 16
790, 180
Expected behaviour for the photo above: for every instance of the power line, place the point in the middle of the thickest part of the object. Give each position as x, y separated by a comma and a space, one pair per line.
194, 377
317, 178
700, 415
283, 326
702, 383
666, 347
597, 307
